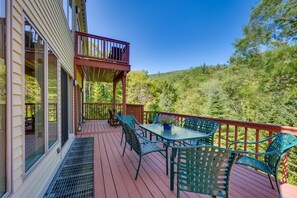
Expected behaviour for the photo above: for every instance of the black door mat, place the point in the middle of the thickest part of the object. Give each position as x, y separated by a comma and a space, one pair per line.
75, 177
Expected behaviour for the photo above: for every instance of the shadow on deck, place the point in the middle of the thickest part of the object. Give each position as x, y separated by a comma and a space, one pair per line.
114, 174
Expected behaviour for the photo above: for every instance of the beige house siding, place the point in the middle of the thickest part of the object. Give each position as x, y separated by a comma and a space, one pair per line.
48, 18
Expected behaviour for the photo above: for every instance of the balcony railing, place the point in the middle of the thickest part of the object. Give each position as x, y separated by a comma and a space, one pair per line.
233, 130
32, 108
99, 48
99, 111
229, 131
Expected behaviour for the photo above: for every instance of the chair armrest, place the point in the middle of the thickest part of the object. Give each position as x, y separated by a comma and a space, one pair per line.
241, 152
261, 141
136, 122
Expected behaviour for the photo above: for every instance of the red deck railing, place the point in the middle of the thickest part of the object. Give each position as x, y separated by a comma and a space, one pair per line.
99, 111
99, 48
229, 131
234, 130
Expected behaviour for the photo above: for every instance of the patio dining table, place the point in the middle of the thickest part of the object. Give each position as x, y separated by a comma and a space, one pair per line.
176, 134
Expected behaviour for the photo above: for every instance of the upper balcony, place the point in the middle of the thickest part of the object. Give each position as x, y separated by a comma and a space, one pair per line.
105, 57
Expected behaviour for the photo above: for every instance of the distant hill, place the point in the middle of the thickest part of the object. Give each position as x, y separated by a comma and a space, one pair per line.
261, 89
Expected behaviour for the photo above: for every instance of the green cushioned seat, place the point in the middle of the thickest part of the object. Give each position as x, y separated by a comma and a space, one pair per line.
253, 162
141, 145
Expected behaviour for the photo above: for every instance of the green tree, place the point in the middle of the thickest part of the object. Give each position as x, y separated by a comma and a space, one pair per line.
272, 23
168, 97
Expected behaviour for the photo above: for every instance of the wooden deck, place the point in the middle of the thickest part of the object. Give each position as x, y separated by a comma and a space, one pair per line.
114, 174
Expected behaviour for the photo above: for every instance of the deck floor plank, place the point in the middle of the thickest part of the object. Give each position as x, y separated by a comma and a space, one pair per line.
98, 174
109, 184
140, 184
114, 174
117, 177
128, 180
148, 181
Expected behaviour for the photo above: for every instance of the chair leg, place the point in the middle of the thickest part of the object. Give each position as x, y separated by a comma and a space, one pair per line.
124, 148
270, 181
166, 160
122, 137
138, 168
177, 192
278, 188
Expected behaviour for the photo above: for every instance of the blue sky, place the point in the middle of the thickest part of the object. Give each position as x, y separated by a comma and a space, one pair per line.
168, 35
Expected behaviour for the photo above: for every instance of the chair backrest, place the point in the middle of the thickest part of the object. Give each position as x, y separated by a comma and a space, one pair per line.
208, 127
189, 123
129, 119
204, 169
111, 114
156, 119
132, 139
282, 142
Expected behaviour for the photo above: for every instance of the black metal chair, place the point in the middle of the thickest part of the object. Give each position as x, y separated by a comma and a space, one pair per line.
132, 122
113, 121
142, 146
203, 169
208, 127
280, 145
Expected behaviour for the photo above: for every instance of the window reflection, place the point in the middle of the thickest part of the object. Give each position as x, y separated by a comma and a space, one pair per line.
67, 6
52, 98
2, 97
34, 96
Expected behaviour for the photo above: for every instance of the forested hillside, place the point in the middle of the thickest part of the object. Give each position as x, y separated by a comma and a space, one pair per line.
259, 83
259, 89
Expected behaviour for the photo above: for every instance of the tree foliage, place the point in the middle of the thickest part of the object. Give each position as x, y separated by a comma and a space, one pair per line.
272, 23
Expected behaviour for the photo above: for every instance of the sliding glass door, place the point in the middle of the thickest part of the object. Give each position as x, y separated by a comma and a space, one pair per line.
52, 98
34, 96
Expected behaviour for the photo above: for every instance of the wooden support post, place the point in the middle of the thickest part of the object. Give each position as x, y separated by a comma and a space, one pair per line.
114, 95
124, 111
75, 100
83, 95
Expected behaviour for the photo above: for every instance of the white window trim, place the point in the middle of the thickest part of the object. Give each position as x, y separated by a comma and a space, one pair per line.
8, 127
46, 149
58, 98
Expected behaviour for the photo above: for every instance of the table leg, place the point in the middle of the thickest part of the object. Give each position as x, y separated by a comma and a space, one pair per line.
173, 154
171, 173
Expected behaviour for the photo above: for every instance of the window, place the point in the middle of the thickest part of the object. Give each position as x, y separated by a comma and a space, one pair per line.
67, 6
77, 25
34, 96
52, 98
2, 98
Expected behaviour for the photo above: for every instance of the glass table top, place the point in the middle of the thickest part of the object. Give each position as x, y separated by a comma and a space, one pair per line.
175, 134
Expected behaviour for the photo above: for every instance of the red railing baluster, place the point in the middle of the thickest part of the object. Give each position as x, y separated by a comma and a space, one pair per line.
285, 169
257, 139
270, 134
236, 137
245, 137
227, 136
220, 131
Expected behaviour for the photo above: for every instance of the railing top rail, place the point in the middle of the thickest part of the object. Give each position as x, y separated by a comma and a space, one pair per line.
260, 126
107, 103
101, 37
